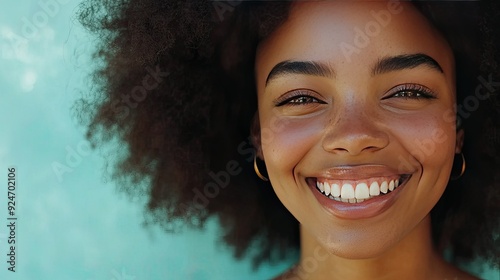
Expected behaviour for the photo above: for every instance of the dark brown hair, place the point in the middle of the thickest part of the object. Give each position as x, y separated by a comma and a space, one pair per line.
175, 86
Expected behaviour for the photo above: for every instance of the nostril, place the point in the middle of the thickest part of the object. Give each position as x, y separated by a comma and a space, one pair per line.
355, 143
373, 148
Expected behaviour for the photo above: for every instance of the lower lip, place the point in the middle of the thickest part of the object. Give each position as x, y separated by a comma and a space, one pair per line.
366, 209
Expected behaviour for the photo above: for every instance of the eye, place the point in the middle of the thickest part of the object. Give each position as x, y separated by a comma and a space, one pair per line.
411, 91
297, 98
409, 94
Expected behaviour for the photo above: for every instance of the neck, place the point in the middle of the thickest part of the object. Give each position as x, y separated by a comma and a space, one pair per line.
411, 258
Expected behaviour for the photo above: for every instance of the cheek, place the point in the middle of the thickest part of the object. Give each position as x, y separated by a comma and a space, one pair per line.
429, 146
429, 140
285, 141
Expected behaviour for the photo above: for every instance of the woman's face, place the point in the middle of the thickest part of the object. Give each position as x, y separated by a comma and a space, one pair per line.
356, 130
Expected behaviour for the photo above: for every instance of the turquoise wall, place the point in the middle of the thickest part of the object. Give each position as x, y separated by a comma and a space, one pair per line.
72, 222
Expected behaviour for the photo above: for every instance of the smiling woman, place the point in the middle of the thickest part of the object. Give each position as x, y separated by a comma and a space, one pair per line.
345, 129
360, 112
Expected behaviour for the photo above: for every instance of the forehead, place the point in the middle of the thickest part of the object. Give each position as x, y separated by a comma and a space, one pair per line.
350, 35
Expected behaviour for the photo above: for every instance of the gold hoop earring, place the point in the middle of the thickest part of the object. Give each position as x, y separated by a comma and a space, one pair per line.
462, 170
256, 168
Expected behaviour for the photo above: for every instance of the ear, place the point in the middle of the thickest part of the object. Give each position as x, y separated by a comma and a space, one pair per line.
460, 141
255, 135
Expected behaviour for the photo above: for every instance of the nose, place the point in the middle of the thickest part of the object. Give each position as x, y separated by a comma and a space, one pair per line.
354, 131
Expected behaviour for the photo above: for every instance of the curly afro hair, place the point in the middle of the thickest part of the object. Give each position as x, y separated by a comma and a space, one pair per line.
175, 86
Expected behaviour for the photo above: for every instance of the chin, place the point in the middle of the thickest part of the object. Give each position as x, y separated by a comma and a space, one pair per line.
359, 245
356, 252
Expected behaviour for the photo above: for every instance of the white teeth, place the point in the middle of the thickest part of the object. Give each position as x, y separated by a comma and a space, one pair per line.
335, 190
361, 191
374, 189
321, 187
347, 191
384, 187
327, 188
356, 194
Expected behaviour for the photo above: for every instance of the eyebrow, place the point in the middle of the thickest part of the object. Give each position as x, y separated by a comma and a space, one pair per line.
385, 65
406, 61
300, 67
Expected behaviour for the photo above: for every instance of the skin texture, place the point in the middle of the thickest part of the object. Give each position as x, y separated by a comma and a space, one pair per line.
353, 119
198, 118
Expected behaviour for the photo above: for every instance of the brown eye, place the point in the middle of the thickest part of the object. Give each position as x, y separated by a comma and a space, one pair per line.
296, 98
410, 94
302, 100
412, 91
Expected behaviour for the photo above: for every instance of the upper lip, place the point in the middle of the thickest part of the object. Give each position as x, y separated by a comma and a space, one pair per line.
358, 172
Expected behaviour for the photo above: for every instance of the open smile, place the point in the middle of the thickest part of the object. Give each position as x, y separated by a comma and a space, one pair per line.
358, 191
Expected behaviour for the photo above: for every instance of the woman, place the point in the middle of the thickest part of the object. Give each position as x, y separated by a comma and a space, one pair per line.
359, 112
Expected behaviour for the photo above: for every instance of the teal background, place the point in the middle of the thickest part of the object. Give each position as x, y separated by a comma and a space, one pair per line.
77, 225
74, 223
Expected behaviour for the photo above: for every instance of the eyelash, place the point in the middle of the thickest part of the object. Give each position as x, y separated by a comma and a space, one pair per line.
416, 92
292, 99
411, 91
